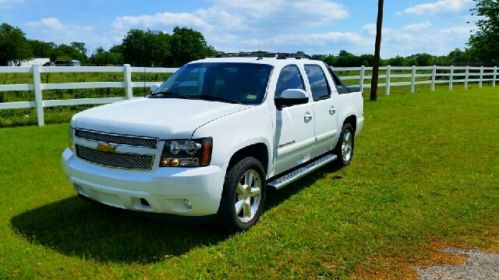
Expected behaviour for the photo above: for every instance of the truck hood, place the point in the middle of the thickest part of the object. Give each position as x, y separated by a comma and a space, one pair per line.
154, 117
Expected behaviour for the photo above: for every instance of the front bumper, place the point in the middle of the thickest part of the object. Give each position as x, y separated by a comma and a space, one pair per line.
178, 191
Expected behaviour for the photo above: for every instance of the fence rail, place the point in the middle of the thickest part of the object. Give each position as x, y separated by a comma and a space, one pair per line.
392, 75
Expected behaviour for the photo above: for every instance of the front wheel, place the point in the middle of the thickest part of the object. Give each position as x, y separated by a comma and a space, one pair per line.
243, 195
345, 146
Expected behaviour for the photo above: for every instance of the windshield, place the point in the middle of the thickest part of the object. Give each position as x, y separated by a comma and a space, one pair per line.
243, 83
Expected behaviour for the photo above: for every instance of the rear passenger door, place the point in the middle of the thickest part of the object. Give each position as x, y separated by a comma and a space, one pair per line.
294, 136
324, 105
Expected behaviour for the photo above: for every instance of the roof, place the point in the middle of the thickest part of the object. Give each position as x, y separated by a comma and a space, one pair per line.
260, 60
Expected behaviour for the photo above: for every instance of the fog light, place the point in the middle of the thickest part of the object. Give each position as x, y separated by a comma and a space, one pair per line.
174, 162
187, 204
164, 162
189, 162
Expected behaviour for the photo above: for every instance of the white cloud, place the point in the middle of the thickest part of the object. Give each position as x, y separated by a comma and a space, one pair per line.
51, 29
438, 6
370, 29
253, 8
415, 27
50, 22
307, 39
312, 10
419, 37
227, 23
239, 14
457, 30
159, 19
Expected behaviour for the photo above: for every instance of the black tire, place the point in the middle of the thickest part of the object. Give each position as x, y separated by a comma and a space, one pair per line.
227, 215
343, 158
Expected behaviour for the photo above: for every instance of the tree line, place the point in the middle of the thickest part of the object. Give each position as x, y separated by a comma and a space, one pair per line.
138, 48
456, 57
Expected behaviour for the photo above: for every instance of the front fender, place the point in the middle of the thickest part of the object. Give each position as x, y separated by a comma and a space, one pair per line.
237, 131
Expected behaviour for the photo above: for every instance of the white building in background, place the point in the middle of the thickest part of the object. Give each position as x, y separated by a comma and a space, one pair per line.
34, 61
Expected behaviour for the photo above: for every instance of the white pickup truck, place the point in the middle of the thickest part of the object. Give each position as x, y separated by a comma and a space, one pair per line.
213, 137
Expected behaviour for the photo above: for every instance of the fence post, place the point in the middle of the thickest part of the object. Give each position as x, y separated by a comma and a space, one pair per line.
451, 77
466, 76
495, 77
37, 85
480, 83
413, 79
362, 75
433, 77
128, 80
387, 89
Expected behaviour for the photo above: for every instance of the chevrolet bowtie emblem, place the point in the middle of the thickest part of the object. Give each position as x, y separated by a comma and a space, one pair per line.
106, 147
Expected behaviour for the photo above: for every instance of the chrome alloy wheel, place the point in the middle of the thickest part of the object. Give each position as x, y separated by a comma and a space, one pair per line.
347, 146
248, 195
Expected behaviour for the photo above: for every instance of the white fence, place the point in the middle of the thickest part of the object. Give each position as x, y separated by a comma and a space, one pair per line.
416, 76
430, 75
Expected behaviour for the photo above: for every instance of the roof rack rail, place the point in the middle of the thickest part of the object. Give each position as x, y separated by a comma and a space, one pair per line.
262, 54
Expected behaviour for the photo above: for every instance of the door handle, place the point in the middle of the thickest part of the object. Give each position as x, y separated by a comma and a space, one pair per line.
332, 110
307, 117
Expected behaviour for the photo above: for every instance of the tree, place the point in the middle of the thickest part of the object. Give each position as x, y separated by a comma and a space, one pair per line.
485, 41
40, 48
395, 61
75, 50
366, 60
422, 59
111, 57
377, 52
146, 48
187, 45
13, 44
459, 57
80, 48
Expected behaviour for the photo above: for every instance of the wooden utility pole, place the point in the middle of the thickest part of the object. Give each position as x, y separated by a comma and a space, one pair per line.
377, 52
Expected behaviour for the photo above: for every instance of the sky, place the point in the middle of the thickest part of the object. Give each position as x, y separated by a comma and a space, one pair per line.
313, 26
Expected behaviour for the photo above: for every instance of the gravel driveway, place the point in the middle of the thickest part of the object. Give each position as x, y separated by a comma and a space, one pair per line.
479, 265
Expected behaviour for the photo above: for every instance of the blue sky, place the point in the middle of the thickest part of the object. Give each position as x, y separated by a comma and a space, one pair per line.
313, 26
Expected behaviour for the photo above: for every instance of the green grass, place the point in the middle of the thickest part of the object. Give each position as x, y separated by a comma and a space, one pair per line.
426, 168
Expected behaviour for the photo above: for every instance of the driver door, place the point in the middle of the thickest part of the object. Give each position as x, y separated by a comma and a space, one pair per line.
295, 136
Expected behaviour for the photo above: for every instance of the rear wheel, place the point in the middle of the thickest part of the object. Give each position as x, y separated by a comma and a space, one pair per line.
344, 148
243, 194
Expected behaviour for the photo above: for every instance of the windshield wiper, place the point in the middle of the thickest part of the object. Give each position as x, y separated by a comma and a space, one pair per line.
218, 98
167, 94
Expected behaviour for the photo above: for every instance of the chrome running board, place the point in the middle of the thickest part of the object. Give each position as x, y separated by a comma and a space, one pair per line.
296, 174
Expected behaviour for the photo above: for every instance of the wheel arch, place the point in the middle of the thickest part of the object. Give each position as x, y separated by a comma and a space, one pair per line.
352, 120
259, 151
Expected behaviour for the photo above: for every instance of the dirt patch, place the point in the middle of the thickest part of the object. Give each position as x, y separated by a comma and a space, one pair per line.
392, 269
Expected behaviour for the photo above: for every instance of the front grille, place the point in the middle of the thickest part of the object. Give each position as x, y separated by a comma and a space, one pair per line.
117, 139
119, 160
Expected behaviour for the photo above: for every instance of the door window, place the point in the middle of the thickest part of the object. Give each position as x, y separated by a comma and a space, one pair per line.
318, 83
289, 78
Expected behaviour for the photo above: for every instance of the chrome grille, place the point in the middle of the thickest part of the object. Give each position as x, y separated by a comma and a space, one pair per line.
119, 160
117, 139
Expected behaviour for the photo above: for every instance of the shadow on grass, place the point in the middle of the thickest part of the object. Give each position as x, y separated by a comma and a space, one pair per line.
76, 227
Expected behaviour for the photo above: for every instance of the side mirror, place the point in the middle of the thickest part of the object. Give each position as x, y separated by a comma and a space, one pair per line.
154, 87
291, 97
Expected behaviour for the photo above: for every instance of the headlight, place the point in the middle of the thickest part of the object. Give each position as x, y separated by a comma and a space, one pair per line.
187, 153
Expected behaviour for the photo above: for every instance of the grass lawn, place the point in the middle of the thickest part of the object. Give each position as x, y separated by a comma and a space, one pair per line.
426, 171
